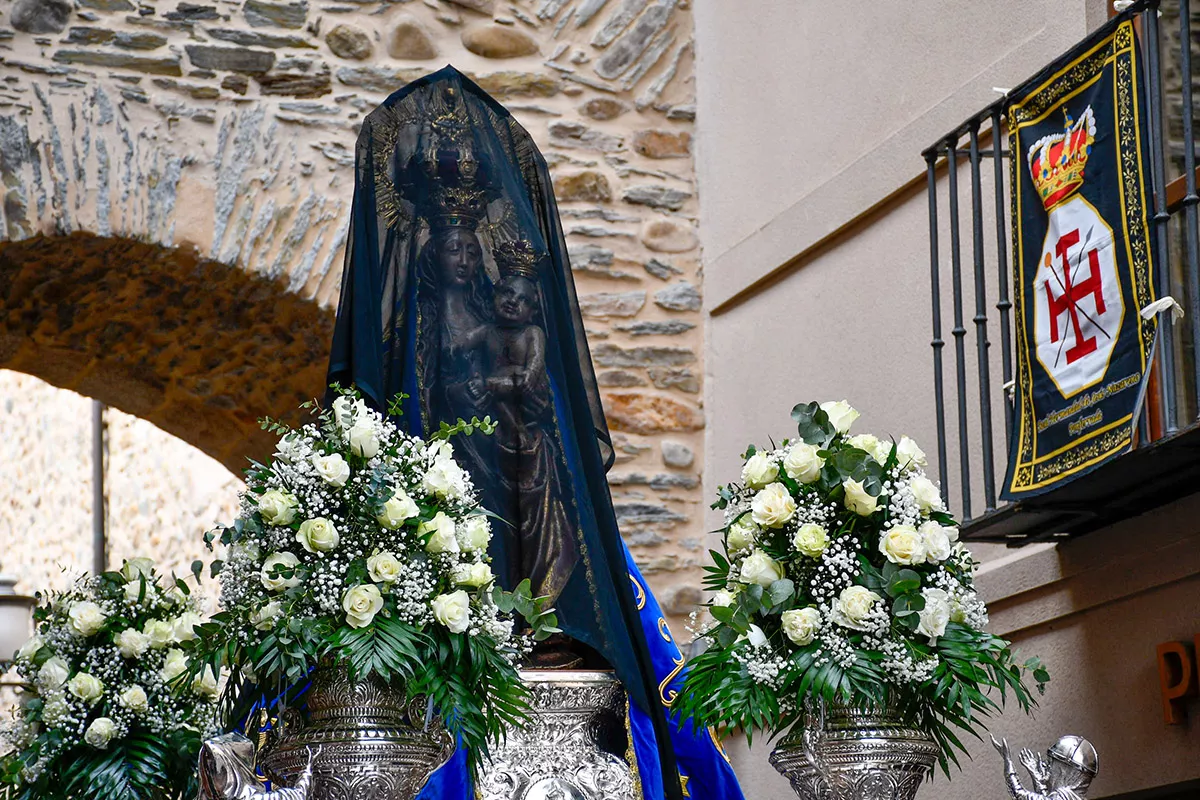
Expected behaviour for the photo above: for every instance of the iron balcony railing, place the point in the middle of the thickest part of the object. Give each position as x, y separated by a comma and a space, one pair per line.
958, 175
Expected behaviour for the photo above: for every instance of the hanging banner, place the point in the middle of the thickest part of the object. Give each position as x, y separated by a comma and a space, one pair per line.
1082, 261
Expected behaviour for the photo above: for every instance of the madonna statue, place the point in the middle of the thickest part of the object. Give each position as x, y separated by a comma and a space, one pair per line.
457, 295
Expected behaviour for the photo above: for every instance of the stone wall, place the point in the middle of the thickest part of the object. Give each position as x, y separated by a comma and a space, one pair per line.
161, 493
224, 130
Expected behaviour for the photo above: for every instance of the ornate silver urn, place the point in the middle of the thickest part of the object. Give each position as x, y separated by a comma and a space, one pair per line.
369, 744
848, 753
574, 747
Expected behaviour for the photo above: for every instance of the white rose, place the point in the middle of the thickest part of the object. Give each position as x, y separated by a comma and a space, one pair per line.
133, 590
755, 636
926, 493
445, 479
54, 673
476, 575
476, 533
874, 448
277, 508
811, 539
160, 632
742, 535
858, 499
184, 626
384, 567
272, 579
85, 618
452, 610
264, 618
841, 415
205, 684
317, 535
397, 510
135, 568
908, 453
132, 643
100, 732
346, 411
30, 648
759, 470
802, 464
902, 544
801, 625
288, 447
332, 469
441, 450
722, 599
86, 687
134, 698
773, 506
760, 568
853, 606
362, 439
935, 615
443, 539
361, 604
174, 665
935, 542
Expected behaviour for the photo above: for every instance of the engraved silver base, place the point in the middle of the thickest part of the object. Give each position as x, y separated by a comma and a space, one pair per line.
577, 721
372, 745
857, 754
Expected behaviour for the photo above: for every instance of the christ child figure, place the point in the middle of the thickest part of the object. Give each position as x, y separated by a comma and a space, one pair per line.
515, 388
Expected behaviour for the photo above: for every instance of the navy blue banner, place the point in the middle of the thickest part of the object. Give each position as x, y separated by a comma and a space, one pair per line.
1082, 261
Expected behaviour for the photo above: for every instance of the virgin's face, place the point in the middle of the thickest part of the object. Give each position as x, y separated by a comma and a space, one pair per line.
459, 256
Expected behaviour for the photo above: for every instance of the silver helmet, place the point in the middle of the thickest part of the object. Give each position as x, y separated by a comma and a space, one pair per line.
1076, 751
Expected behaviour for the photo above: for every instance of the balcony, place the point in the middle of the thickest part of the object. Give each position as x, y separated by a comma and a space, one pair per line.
971, 274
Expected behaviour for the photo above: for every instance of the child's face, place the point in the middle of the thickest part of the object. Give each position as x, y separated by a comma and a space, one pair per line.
515, 298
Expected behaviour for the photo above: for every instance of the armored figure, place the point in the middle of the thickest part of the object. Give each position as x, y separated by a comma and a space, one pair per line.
1065, 774
227, 772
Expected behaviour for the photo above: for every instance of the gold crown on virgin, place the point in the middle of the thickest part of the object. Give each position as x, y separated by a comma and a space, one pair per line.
516, 257
1056, 161
458, 205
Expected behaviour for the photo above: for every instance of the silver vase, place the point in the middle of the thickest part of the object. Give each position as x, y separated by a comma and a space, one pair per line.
369, 743
851, 753
569, 750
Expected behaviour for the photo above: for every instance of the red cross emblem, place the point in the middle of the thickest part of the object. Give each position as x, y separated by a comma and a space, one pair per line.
1072, 293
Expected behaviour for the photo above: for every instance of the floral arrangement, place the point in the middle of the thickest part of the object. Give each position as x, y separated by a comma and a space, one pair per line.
110, 712
361, 545
842, 579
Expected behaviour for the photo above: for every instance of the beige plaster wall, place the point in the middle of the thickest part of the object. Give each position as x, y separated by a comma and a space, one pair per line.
817, 287
824, 108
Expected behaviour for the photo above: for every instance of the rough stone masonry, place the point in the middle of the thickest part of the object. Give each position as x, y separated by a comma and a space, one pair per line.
226, 129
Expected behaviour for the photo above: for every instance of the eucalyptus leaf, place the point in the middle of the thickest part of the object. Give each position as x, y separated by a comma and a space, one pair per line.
813, 425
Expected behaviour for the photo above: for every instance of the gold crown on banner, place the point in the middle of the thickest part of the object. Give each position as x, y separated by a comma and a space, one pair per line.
1056, 161
516, 257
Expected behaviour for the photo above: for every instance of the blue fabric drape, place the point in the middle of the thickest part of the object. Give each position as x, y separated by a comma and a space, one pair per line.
457, 291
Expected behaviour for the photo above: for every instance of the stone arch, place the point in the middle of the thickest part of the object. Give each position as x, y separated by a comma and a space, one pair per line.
198, 349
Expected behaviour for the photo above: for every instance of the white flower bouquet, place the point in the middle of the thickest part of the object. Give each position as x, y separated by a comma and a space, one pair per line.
362, 546
111, 712
842, 579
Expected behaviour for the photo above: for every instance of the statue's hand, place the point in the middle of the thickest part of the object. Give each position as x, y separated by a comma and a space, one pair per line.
1001, 747
1031, 762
